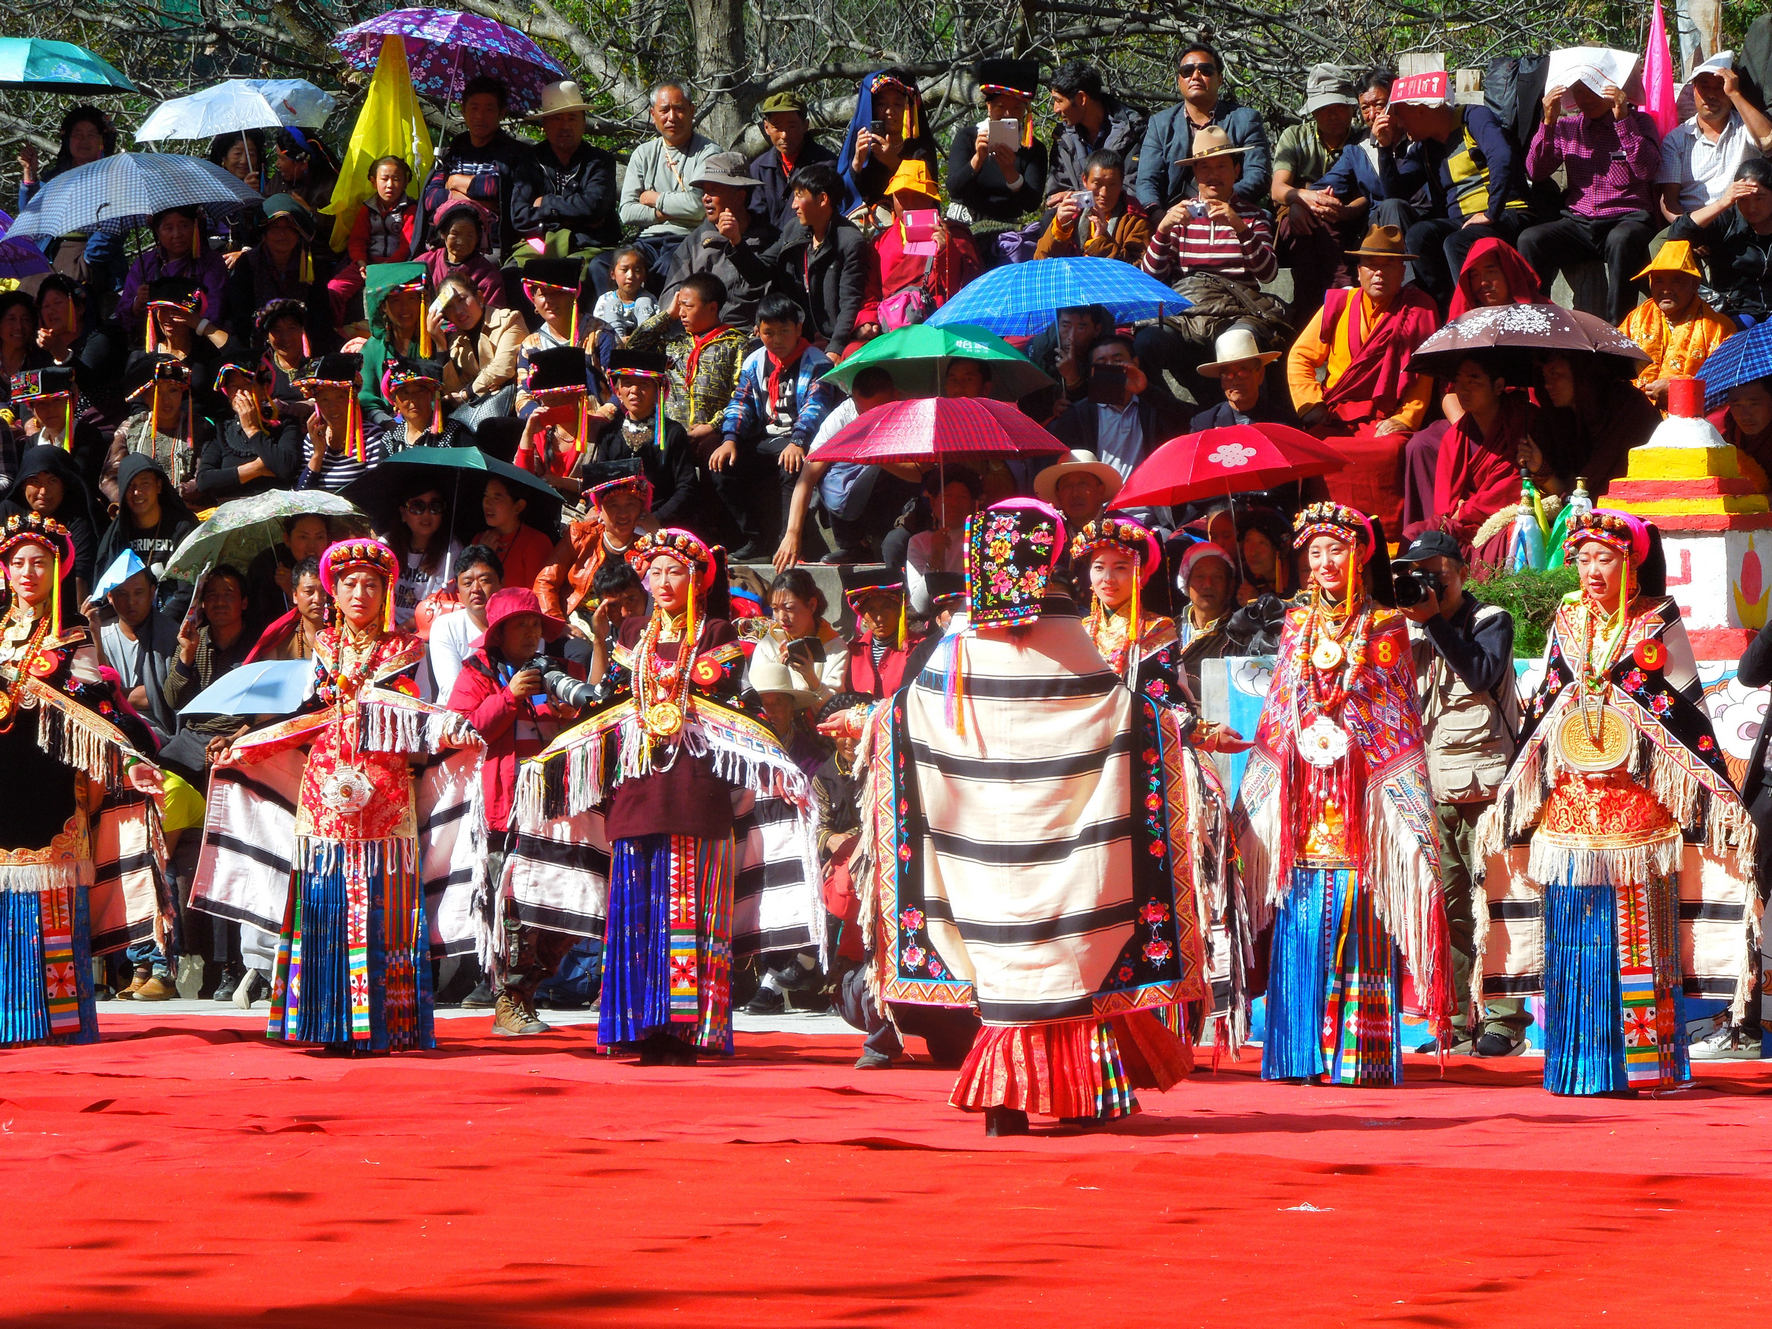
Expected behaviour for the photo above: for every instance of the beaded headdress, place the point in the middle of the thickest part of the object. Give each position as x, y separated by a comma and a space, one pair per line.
1335, 519
30, 528
1617, 530
1117, 533
680, 544
345, 555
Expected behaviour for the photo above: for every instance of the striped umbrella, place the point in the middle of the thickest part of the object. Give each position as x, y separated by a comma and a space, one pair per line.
118, 193
1020, 299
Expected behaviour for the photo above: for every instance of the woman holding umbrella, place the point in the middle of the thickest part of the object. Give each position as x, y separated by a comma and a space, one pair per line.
1334, 822
1620, 794
86, 135
353, 963
69, 769
178, 251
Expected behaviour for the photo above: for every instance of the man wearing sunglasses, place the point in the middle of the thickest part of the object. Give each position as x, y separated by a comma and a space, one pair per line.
1163, 176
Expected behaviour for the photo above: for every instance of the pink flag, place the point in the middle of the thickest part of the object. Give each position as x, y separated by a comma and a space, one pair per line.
1658, 76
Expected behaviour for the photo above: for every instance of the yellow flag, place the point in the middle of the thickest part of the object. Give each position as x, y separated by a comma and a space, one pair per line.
389, 125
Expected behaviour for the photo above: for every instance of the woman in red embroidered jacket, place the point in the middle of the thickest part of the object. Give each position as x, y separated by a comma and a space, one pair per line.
353, 962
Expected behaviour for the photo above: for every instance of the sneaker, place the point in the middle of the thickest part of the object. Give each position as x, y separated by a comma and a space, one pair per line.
1498, 1045
1730, 1043
254, 987
480, 998
873, 1061
837, 556
230, 982
751, 551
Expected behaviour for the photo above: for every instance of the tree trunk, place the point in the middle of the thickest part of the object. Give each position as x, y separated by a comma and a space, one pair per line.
722, 68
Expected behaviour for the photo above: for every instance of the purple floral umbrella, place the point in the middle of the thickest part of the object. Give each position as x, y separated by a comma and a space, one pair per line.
444, 49
19, 258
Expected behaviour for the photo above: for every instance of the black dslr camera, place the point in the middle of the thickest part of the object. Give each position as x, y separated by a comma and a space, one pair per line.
1414, 583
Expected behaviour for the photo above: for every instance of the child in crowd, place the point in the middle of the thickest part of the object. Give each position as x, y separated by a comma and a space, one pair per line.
627, 305
770, 423
382, 233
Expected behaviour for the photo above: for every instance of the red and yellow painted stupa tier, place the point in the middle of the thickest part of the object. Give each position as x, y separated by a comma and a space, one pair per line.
1688, 479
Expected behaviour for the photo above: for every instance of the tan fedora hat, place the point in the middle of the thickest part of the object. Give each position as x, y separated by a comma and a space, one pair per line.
1382, 242
1210, 142
558, 97
773, 676
1233, 346
1077, 461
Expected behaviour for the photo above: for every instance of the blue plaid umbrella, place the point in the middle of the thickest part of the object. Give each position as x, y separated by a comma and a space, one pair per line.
1740, 359
118, 193
1019, 299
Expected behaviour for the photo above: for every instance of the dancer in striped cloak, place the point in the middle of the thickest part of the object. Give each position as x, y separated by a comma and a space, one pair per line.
75, 806
354, 957
1031, 841
1335, 826
1619, 860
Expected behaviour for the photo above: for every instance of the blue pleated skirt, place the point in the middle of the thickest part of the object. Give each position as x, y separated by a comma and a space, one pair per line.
667, 952
1332, 996
378, 999
1591, 1038
46, 968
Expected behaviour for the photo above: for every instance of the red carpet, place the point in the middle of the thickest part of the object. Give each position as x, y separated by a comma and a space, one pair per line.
186, 1173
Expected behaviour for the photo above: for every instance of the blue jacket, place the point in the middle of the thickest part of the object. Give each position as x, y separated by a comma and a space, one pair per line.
1170, 137
747, 414
1357, 175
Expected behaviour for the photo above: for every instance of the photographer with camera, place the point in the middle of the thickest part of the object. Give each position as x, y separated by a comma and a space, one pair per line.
501, 692
1464, 672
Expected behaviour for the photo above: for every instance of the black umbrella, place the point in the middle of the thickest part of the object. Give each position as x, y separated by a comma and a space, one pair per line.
461, 475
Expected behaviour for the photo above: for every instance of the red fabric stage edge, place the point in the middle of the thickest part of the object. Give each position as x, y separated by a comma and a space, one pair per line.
186, 1173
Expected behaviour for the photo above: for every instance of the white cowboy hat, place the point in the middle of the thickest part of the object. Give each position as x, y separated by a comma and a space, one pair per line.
1078, 459
557, 97
1232, 346
773, 676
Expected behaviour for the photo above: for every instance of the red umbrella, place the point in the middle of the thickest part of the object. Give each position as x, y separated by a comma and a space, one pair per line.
931, 429
1216, 463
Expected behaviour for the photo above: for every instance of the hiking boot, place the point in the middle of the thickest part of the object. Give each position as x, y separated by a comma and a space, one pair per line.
873, 1061
509, 1017
158, 988
142, 973
768, 1001
480, 998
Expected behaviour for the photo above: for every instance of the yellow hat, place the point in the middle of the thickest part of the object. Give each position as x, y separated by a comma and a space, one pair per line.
1674, 256
914, 176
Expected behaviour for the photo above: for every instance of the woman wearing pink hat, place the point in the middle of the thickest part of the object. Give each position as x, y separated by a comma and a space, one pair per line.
501, 693
1617, 814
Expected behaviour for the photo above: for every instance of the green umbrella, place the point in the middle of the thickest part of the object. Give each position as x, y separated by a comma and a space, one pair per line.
243, 528
461, 473
42, 66
917, 358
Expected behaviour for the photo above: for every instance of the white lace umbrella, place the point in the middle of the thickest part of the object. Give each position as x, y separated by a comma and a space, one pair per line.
1523, 329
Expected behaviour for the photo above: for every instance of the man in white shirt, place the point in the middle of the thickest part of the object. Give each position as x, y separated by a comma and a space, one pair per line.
1699, 157
657, 193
